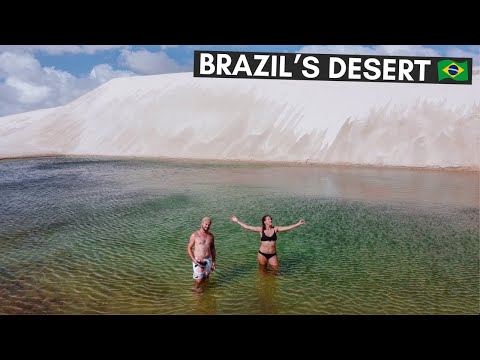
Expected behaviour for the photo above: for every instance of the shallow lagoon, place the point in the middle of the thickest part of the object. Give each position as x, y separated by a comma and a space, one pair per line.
109, 236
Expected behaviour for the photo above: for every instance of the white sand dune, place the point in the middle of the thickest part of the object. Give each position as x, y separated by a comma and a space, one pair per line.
179, 116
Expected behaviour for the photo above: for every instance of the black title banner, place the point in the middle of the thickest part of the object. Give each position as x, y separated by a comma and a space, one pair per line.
331, 67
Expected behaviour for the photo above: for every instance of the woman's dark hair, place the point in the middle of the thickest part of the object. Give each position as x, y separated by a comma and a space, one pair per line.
263, 220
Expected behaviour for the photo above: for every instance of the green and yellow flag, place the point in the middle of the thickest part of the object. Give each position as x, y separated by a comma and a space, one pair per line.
449, 69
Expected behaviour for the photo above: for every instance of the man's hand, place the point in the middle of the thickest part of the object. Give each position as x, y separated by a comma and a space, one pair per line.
214, 266
234, 218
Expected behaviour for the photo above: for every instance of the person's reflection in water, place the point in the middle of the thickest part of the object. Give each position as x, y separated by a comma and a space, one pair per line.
267, 289
205, 301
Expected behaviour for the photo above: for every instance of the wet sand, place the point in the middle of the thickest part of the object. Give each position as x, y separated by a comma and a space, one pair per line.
308, 164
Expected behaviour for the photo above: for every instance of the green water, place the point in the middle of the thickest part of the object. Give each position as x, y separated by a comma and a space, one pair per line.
109, 236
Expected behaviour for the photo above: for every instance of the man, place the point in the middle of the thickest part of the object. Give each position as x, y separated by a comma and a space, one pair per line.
201, 249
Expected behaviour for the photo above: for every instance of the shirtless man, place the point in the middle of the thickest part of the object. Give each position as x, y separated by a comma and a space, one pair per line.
201, 249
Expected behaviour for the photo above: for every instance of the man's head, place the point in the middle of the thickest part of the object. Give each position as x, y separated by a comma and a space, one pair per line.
206, 223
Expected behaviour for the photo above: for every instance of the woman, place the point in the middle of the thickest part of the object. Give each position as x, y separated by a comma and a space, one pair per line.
268, 236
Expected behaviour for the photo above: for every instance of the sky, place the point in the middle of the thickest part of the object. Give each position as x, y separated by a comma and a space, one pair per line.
44, 76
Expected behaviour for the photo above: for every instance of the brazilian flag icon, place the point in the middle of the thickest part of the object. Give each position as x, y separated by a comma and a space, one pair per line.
449, 69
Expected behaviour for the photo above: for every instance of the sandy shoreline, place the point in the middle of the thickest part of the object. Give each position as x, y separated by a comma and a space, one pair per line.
25, 157
246, 162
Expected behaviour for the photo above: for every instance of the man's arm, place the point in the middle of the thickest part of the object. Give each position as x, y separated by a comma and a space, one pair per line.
214, 253
290, 227
190, 246
245, 226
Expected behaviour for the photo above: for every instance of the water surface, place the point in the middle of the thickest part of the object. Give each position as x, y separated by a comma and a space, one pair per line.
109, 236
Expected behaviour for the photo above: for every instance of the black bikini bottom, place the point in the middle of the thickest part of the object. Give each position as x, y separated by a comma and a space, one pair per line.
268, 256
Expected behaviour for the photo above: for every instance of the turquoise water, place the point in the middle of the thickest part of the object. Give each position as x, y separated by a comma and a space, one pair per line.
109, 236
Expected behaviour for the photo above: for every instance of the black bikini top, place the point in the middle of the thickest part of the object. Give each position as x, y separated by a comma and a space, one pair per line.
266, 238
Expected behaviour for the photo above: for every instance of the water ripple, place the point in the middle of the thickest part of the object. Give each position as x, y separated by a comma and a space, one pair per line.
83, 236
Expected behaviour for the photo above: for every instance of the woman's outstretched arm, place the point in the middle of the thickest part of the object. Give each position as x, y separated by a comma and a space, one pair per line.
290, 227
245, 226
